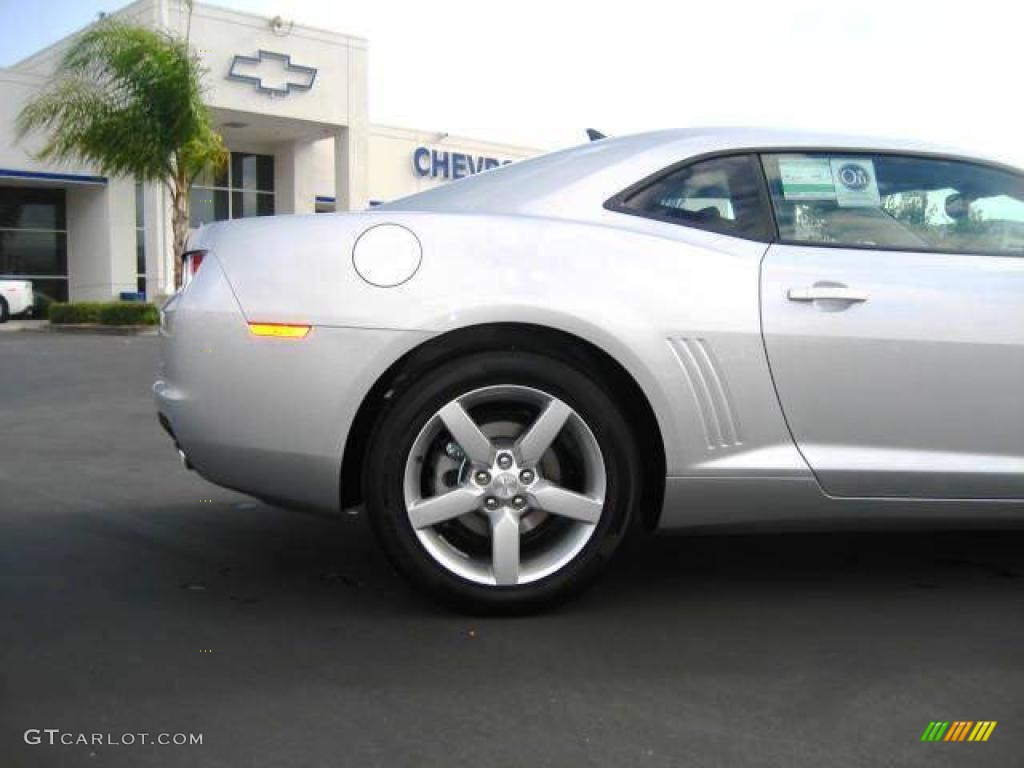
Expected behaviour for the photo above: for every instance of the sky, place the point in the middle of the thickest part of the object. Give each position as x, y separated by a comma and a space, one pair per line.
539, 73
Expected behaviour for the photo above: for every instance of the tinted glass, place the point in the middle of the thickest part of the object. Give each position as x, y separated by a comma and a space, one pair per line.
252, 171
245, 204
33, 253
140, 207
55, 288
140, 251
207, 205
890, 201
721, 194
210, 177
24, 207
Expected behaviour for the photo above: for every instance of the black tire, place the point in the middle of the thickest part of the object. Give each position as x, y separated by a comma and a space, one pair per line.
5, 311
577, 385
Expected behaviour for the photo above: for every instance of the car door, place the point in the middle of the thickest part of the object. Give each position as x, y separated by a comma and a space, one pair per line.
893, 320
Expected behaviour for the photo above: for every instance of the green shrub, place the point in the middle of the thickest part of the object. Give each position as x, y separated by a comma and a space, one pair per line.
104, 313
78, 312
129, 313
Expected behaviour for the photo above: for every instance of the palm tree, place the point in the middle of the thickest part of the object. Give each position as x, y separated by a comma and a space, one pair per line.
127, 100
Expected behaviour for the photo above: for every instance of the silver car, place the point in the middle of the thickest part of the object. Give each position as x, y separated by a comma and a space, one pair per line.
678, 329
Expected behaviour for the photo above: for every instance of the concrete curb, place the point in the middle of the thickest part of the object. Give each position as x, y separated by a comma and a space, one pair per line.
101, 330
19, 326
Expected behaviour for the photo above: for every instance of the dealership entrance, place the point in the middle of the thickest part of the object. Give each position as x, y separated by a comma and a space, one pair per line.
73, 236
34, 238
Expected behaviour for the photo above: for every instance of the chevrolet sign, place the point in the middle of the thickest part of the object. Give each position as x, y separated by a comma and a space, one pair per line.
451, 165
272, 73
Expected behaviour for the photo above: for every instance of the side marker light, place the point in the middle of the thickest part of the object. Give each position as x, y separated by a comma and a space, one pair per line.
280, 330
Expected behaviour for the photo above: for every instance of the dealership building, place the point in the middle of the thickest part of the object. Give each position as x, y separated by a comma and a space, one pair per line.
291, 103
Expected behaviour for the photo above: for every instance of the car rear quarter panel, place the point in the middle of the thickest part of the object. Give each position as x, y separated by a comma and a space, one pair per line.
264, 416
677, 308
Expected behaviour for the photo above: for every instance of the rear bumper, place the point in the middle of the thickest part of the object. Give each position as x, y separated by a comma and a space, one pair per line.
166, 424
265, 416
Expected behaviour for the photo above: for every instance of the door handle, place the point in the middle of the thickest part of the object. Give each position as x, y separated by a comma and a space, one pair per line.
826, 293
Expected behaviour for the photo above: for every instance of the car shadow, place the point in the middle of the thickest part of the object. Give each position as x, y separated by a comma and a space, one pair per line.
842, 561
253, 554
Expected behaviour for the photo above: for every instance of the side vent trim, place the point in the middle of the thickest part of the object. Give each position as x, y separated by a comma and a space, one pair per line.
710, 391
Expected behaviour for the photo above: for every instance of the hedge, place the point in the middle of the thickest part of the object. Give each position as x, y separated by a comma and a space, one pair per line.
79, 312
105, 313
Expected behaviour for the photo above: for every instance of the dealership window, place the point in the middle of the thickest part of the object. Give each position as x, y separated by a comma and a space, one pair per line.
242, 188
720, 194
140, 239
901, 202
34, 239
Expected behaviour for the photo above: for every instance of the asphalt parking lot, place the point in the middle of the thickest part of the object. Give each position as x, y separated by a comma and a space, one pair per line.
137, 598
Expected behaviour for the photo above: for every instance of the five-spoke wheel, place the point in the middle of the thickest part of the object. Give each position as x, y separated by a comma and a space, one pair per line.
518, 479
502, 481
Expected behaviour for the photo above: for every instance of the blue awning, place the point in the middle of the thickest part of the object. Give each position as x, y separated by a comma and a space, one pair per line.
66, 178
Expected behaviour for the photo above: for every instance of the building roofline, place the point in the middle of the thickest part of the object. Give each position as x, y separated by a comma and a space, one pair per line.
217, 10
220, 9
41, 53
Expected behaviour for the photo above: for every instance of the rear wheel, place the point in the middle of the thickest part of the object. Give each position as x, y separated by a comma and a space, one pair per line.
502, 481
5, 311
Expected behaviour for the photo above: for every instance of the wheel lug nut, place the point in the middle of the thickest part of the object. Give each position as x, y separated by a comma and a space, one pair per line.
483, 478
527, 476
518, 502
491, 503
505, 460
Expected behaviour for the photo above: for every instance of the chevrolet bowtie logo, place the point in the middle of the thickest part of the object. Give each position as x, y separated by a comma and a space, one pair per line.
272, 73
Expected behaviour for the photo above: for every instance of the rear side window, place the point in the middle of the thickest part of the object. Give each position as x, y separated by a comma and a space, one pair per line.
892, 201
721, 194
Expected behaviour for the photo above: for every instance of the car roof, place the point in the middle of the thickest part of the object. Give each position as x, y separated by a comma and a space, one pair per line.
574, 182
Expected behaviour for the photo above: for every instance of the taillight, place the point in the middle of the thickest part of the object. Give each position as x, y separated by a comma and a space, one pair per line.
191, 261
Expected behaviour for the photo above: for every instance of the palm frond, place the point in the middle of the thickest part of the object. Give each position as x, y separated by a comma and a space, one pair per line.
128, 101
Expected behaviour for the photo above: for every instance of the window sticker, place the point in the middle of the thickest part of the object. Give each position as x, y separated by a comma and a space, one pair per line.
855, 183
806, 178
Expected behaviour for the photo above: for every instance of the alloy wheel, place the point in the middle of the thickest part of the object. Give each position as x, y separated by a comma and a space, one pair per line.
504, 485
